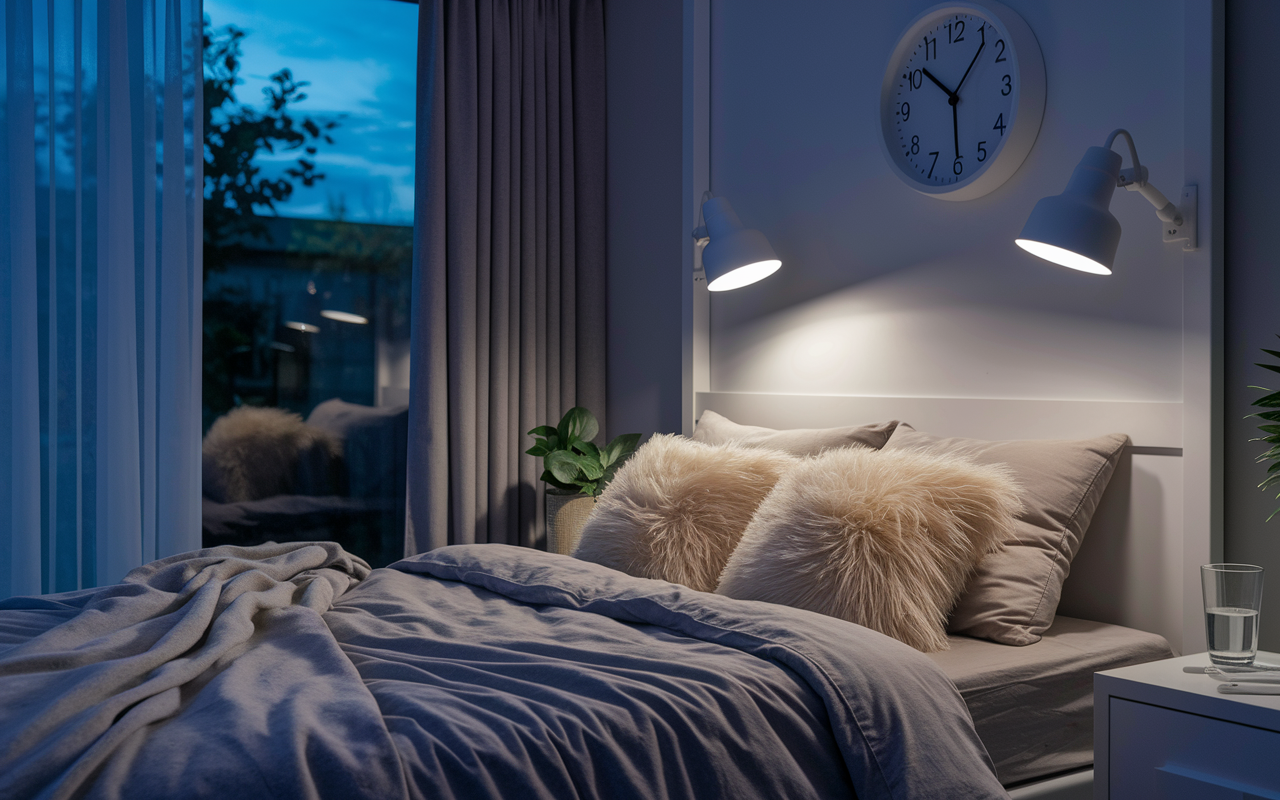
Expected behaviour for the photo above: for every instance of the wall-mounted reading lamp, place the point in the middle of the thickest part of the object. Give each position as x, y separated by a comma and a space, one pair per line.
1076, 230
733, 255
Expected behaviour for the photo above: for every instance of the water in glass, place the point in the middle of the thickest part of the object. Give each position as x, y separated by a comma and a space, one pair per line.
1232, 633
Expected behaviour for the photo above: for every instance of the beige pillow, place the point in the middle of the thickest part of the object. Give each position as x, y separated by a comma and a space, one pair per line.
1013, 596
715, 429
677, 508
886, 540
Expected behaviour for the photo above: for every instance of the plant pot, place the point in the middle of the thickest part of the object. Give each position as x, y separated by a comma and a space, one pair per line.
566, 516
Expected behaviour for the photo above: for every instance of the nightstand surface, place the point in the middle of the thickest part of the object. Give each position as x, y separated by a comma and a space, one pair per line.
1175, 736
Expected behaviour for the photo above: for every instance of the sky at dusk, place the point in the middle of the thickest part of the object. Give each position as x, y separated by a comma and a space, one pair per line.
360, 58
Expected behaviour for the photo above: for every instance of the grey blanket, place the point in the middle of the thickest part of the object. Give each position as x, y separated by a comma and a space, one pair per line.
479, 671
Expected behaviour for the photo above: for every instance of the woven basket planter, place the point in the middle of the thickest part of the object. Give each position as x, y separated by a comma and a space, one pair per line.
566, 516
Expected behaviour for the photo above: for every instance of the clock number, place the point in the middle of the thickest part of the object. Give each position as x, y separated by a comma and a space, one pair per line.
982, 151
914, 80
915, 145
905, 111
933, 153
1008, 86
927, 43
999, 126
957, 167
1000, 55
959, 32
982, 29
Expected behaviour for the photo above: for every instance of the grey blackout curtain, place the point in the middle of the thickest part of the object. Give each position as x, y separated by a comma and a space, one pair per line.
509, 257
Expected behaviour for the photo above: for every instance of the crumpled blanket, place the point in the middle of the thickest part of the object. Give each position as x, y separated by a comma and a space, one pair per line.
119, 680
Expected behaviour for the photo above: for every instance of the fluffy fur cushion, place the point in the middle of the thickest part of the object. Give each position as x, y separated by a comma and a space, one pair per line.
883, 539
677, 508
250, 453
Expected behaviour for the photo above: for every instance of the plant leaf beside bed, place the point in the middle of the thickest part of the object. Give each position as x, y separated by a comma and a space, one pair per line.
1271, 404
571, 463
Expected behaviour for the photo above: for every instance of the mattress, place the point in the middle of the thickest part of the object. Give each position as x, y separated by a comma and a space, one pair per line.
1033, 705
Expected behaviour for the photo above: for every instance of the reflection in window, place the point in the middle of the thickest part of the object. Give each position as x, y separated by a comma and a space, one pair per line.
308, 241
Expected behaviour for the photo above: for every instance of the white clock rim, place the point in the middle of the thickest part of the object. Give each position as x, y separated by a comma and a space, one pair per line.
1028, 106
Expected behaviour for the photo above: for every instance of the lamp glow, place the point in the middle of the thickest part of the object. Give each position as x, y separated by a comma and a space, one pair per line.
302, 326
734, 256
1077, 229
344, 316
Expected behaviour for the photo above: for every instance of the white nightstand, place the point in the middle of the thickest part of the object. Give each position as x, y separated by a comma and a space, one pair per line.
1163, 734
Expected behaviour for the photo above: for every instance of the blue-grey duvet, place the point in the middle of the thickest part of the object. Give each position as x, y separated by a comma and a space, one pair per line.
476, 671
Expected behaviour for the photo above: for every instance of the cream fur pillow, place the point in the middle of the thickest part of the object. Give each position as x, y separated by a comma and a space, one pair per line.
250, 453
886, 539
677, 508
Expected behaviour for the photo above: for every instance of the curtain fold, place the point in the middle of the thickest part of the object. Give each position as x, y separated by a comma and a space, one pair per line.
509, 257
100, 204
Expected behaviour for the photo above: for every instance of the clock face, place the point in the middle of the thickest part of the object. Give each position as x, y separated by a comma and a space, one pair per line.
962, 100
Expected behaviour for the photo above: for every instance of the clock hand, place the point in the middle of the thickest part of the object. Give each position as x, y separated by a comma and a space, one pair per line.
950, 94
971, 63
955, 125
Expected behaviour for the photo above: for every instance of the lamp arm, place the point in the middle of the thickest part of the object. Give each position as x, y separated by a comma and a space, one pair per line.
1135, 180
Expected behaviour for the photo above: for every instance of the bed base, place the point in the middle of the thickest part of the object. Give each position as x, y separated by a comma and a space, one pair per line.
1071, 786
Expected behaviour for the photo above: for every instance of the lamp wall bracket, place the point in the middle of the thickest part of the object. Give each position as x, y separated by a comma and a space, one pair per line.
1186, 231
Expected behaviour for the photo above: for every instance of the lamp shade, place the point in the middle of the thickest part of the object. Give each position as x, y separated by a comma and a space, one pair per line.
1076, 229
735, 256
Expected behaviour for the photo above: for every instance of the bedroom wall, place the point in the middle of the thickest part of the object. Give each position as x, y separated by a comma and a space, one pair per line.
885, 291
1252, 293
643, 58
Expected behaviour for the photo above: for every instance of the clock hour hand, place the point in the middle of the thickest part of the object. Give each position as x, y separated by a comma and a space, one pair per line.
955, 127
950, 94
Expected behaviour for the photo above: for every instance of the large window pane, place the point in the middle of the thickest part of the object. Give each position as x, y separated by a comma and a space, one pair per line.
308, 239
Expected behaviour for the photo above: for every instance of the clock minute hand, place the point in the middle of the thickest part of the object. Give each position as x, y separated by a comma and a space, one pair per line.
950, 94
970, 69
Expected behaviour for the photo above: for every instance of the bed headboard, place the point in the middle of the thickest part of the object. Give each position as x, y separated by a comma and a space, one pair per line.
1130, 570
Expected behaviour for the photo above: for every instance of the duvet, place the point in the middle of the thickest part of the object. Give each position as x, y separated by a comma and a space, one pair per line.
479, 671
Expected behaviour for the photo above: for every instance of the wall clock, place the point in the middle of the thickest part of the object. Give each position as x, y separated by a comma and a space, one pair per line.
962, 99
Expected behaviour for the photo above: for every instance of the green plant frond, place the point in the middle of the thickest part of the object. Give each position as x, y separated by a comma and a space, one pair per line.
1269, 482
1272, 429
1272, 416
1272, 367
578, 423
550, 480
539, 449
1270, 401
543, 430
587, 449
1275, 353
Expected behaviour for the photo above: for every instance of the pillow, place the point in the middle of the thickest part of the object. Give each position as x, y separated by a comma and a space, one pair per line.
713, 428
375, 444
250, 453
676, 509
1014, 594
886, 540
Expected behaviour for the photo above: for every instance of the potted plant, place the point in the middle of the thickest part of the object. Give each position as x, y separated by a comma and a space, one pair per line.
575, 471
1270, 428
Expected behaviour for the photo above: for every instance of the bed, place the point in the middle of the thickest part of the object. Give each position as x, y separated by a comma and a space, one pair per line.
489, 671
290, 670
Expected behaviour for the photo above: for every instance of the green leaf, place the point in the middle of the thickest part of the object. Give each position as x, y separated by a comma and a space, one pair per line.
543, 430
1272, 367
1270, 401
578, 423
563, 465
550, 480
587, 449
539, 449
1270, 481
1275, 353
627, 444
1274, 429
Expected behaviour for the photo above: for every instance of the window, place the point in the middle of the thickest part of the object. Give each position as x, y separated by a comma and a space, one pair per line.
309, 137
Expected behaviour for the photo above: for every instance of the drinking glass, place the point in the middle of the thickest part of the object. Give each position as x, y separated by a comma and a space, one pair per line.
1232, 599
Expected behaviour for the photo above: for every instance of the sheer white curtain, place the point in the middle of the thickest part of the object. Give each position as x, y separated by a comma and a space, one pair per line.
100, 192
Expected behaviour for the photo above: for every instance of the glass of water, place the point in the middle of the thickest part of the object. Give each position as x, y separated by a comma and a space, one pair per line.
1232, 599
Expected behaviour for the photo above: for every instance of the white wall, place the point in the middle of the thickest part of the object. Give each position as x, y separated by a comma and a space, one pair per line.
646, 229
886, 291
1252, 291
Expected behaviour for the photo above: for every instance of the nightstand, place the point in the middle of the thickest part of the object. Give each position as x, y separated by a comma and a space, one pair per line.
1163, 734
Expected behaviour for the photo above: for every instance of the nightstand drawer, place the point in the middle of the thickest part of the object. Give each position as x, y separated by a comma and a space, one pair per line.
1163, 754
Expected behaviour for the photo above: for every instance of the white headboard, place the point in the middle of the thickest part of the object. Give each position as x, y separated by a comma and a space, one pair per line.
1130, 570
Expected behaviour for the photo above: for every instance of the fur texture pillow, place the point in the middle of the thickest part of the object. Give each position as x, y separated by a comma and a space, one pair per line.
250, 453
883, 539
677, 508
